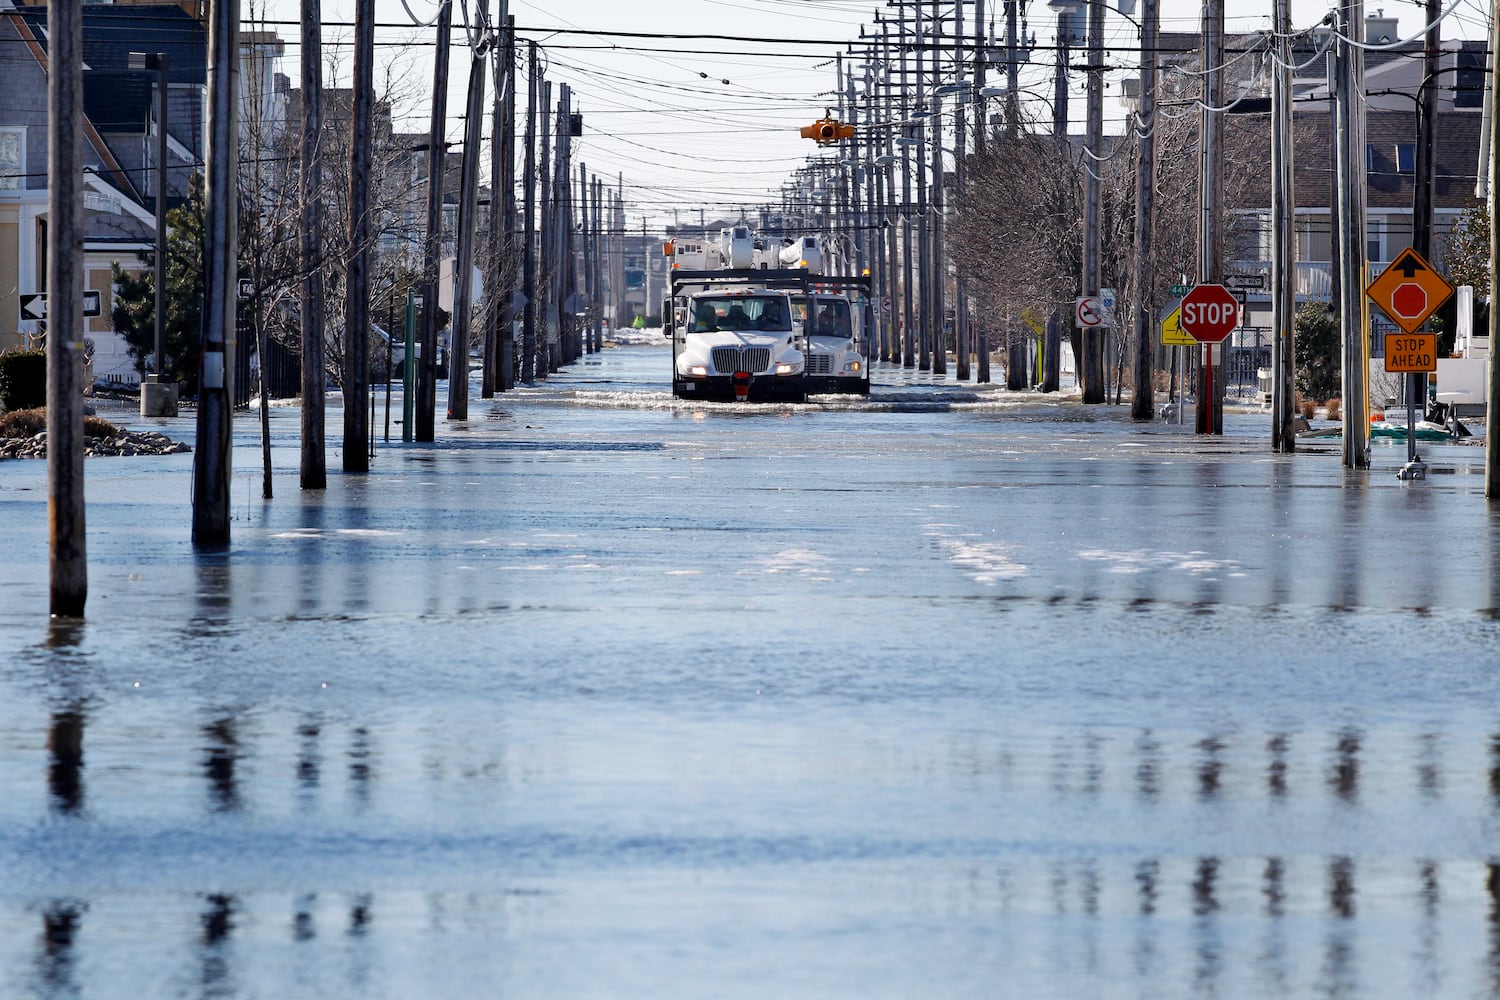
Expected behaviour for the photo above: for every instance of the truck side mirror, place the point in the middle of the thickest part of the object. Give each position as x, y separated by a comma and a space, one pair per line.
667, 317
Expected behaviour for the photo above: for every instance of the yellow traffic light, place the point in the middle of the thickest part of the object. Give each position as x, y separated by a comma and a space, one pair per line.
827, 131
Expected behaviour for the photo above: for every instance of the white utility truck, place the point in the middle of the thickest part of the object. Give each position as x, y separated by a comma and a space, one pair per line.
732, 337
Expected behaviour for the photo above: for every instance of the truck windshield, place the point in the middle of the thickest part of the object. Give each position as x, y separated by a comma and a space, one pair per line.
829, 318
741, 312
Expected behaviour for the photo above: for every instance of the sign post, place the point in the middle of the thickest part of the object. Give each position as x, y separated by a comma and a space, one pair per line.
1409, 291
1208, 314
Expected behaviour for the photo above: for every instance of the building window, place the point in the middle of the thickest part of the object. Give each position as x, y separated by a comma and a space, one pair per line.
1406, 157
1468, 88
12, 158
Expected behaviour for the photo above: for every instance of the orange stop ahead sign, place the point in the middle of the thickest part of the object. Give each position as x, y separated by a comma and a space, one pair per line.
1409, 290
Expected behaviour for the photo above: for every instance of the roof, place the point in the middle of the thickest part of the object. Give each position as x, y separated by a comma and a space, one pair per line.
111, 32
117, 101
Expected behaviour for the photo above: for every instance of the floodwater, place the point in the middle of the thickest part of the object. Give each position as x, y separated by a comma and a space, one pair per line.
954, 693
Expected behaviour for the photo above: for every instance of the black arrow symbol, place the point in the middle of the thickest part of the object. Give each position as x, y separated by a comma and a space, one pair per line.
1409, 265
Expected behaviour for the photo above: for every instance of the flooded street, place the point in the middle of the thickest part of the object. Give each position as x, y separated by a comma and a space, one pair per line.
950, 693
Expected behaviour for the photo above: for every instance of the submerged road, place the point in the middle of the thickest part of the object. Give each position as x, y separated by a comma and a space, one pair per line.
952, 692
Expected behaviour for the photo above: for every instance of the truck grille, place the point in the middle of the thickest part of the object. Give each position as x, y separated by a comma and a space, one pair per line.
728, 360
820, 364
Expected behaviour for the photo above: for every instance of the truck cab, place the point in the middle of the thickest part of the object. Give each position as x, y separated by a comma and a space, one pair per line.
733, 343
832, 343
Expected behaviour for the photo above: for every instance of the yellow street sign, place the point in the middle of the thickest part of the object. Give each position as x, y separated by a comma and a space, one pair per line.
1409, 290
1411, 352
1172, 333
1033, 319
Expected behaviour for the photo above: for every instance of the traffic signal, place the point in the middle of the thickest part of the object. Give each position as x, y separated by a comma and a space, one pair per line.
827, 131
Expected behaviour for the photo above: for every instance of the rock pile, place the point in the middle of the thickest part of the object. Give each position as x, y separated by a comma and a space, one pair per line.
123, 442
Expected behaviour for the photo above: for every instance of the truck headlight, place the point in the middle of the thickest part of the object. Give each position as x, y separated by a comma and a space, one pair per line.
785, 368
697, 371
852, 366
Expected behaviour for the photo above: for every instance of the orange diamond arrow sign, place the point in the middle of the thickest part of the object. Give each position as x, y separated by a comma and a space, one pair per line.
1409, 290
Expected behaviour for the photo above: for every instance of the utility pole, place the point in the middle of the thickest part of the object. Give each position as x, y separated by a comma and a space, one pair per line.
437, 155
1422, 184
1350, 125
211, 457
924, 243
1052, 348
1283, 238
588, 256
939, 268
1209, 418
498, 246
528, 253
981, 130
544, 282
599, 231
509, 244
357, 292
314, 462
66, 535
1492, 199
1142, 403
468, 222
1093, 337
159, 396
960, 126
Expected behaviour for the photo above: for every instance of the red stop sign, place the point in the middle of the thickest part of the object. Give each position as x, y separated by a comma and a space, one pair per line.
1410, 301
1208, 313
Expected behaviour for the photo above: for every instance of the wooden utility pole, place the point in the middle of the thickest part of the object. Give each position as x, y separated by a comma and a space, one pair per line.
314, 461
1422, 192
599, 243
357, 291
1092, 362
211, 457
924, 243
528, 252
1142, 403
501, 217
1209, 417
1052, 345
437, 156
468, 204
961, 331
507, 338
545, 287
1352, 175
1492, 198
939, 271
588, 256
1283, 238
67, 547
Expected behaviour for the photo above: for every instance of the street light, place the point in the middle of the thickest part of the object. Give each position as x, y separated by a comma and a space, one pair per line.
158, 402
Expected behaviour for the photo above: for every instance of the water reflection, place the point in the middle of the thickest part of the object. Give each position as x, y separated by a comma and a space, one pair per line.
221, 753
360, 756
1345, 778
213, 601
217, 966
1347, 573
1210, 769
56, 961
65, 767
1276, 748
1148, 765
1492, 884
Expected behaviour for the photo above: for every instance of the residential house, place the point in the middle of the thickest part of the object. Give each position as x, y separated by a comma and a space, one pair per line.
120, 133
